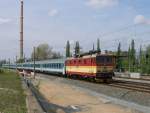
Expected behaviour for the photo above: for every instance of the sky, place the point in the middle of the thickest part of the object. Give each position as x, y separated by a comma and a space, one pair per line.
56, 21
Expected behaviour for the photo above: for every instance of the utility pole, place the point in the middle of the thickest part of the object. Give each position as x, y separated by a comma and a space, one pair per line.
16, 63
9, 63
21, 31
34, 60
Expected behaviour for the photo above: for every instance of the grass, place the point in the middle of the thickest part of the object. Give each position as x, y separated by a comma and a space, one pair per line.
12, 97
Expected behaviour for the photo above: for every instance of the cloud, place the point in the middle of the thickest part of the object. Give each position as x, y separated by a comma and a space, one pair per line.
53, 12
102, 3
140, 19
4, 20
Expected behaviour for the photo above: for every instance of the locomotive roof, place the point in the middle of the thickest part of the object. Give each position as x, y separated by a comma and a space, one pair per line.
90, 56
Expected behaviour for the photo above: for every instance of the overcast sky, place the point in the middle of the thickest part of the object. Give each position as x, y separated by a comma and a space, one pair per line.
56, 21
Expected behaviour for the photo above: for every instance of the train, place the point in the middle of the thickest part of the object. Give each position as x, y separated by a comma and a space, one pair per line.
92, 66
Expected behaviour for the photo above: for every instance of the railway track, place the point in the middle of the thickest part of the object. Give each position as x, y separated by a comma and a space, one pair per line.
130, 85
135, 86
127, 78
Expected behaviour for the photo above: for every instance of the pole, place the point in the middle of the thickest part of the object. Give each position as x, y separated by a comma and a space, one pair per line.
16, 63
9, 64
34, 60
21, 31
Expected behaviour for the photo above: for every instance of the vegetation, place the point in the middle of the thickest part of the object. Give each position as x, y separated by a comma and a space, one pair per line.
133, 61
43, 52
12, 96
68, 54
93, 47
98, 45
119, 59
77, 48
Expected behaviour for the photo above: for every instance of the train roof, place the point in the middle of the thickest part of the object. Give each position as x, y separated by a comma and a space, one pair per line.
62, 60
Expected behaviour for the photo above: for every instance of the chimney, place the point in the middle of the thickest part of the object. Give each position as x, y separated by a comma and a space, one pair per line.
21, 31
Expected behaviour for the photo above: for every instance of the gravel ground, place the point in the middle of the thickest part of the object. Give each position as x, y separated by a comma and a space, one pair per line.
67, 98
119, 93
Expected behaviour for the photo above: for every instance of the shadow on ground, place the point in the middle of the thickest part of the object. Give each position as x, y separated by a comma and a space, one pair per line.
53, 108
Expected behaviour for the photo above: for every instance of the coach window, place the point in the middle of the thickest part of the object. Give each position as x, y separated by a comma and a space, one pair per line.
56, 65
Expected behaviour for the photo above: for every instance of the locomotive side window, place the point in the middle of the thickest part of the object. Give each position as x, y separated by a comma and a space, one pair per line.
108, 59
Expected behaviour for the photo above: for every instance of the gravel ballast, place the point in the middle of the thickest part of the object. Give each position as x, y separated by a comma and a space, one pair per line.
140, 98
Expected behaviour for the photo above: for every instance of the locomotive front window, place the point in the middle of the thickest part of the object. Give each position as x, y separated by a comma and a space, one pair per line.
104, 59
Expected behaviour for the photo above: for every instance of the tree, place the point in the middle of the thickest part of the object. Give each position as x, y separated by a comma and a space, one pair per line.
142, 60
68, 49
119, 60
140, 55
148, 59
133, 56
43, 52
98, 45
2, 62
56, 55
93, 47
77, 48
129, 58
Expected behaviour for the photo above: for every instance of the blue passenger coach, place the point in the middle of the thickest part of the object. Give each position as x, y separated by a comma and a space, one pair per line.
50, 66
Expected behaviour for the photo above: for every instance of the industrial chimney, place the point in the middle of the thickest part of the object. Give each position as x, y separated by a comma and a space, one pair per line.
21, 31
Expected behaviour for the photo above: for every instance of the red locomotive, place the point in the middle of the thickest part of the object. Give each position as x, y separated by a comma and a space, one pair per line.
96, 66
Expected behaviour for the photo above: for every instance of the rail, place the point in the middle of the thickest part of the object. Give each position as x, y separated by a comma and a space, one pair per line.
136, 86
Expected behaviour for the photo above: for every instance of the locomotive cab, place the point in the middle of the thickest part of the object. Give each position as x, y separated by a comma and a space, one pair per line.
105, 66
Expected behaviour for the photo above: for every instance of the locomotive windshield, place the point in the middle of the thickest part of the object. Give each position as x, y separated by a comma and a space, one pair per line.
104, 59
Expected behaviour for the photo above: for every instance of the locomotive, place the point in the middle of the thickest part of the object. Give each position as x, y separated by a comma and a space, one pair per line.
94, 66
88, 65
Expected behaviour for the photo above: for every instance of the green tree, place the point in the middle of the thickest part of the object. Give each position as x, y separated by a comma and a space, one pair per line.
93, 47
2, 62
98, 45
142, 60
129, 58
77, 48
140, 55
68, 49
148, 59
133, 56
119, 59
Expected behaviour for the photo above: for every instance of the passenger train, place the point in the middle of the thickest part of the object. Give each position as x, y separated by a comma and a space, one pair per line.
94, 66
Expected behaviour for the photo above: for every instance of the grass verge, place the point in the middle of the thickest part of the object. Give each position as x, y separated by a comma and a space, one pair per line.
12, 97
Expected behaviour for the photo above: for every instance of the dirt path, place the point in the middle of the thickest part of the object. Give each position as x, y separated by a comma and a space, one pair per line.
74, 100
